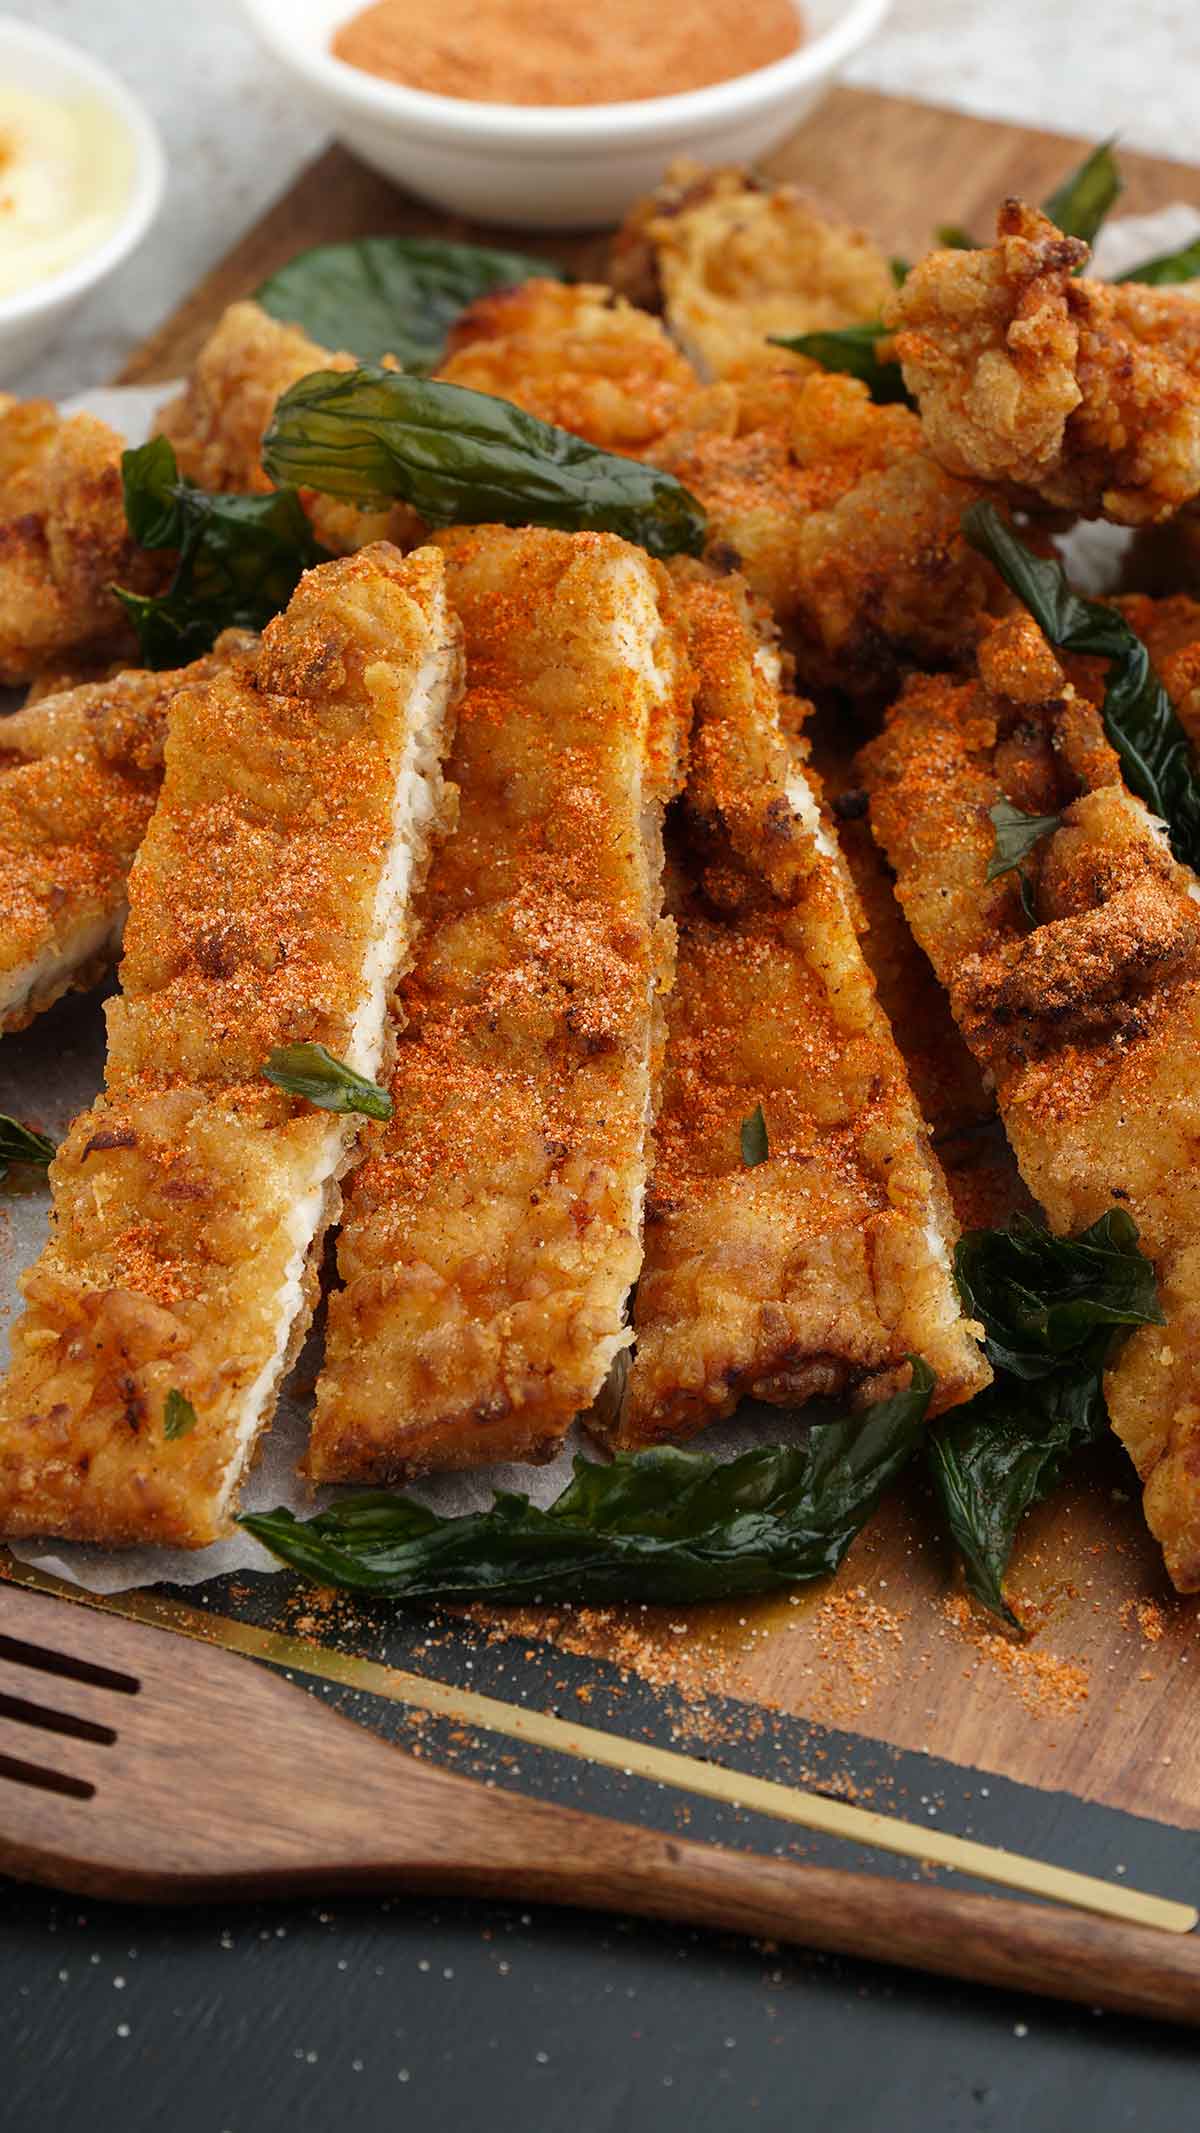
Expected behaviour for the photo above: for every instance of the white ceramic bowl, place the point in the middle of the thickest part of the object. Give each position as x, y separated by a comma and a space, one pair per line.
544, 166
33, 59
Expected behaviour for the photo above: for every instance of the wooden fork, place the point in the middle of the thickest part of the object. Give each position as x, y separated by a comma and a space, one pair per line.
136, 1765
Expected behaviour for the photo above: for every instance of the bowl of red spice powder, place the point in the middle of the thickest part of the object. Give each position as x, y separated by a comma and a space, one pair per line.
558, 113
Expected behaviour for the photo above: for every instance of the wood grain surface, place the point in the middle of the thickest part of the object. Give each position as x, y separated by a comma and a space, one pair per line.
96, 1715
1104, 1702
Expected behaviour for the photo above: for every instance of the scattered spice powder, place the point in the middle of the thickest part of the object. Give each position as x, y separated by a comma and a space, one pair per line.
556, 52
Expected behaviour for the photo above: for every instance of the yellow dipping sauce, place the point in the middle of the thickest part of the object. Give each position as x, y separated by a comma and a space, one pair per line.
66, 175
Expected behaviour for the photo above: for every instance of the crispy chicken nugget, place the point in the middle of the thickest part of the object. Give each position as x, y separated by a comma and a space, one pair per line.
217, 423
1089, 1020
268, 906
821, 1268
729, 260
578, 356
840, 518
1080, 393
64, 542
492, 1235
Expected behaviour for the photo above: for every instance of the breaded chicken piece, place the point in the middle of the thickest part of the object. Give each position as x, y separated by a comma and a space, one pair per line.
820, 1269
840, 518
1089, 1022
729, 260
493, 1232
1084, 394
268, 905
64, 542
578, 356
79, 775
216, 425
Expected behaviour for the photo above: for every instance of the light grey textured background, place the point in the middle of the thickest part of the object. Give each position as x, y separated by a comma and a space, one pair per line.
235, 135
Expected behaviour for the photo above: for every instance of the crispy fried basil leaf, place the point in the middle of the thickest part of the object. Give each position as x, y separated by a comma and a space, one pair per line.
311, 1071
1050, 1307
179, 1416
1082, 201
1167, 267
954, 238
1016, 835
239, 557
1139, 717
658, 1526
20, 1144
395, 296
854, 351
462, 457
755, 1145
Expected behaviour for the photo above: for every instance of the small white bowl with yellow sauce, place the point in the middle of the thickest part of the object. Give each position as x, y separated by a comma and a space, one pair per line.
81, 179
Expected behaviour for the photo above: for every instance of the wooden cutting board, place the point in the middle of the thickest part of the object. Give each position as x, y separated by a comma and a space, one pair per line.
1105, 1701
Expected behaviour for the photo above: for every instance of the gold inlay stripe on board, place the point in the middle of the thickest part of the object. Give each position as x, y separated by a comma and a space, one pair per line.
634, 1758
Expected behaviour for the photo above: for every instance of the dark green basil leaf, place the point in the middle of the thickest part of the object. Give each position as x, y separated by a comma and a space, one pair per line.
854, 351
179, 1416
901, 269
1167, 268
462, 457
1006, 1451
20, 1144
955, 239
1139, 717
239, 557
1082, 201
309, 1070
661, 1526
1041, 1297
1051, 1308
396, 296
755, 1148
1016, 835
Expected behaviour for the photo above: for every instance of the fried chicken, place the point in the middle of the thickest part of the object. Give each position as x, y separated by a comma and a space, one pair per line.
79, 774
576, 355
1088, 1021
840, 518
63, 541
1082, 394
820, 1269
729, 260
493, 1233
269, 905
216, 425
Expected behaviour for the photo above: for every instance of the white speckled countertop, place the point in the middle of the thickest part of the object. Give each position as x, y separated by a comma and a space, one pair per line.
235, 136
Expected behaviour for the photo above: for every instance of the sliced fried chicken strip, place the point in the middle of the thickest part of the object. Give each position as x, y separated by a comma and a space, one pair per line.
1080, 393
79, 775
494, 1230
64, 542
820, 1269
268, 905
1088, 1021
730, 259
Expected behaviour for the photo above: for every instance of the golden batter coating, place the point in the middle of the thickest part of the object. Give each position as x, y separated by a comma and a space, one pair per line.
1089, 1020
1082, 393
578, 356
820, 1269
493, 1232
79, 774
268, 905
729, 260
840, 518
217, 423
64, 542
